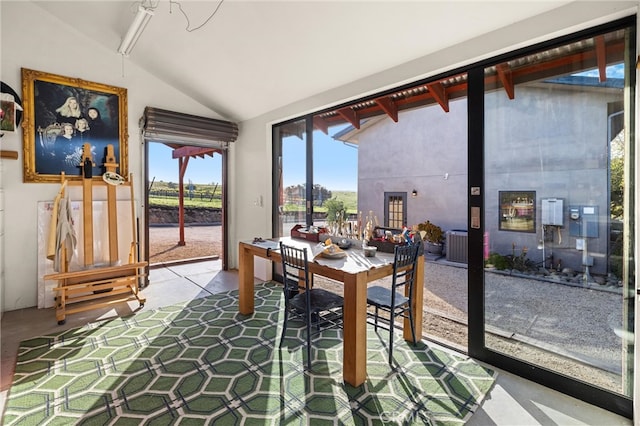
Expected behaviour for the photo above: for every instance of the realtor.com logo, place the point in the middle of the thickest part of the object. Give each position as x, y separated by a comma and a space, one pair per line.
405, 417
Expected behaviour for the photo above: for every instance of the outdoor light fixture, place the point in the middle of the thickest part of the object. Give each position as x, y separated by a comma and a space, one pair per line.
135, 30
414, 193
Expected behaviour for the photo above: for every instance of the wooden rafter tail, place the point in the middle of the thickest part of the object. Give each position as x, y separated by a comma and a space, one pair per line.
601, 58
387, 104
320, 124
351, 116
506, 78
439, 93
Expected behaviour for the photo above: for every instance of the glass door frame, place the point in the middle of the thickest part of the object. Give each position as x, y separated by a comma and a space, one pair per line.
476, 291
276, 166
475, 201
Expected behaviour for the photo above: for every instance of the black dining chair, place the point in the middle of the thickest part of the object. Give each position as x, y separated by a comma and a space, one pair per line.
314, 306
396, 301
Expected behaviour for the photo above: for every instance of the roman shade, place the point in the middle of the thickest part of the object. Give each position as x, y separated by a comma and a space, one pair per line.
164, 126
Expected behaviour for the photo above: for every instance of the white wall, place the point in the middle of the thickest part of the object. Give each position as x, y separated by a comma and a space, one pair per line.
33, 39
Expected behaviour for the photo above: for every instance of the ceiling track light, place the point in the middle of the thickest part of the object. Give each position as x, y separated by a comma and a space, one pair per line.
135, 30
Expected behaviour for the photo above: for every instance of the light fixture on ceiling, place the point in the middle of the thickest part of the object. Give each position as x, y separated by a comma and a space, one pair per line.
133, 33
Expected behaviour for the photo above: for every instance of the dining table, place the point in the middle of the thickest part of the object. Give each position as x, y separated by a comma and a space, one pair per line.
355, 271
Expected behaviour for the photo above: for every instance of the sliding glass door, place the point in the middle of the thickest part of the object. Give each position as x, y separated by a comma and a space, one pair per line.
558, 209
551, 208
290, 176
315, 176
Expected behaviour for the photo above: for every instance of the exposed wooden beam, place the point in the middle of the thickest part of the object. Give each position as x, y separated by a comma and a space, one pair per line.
321, 125
439, 93
571, 63
506, 78
416, 101
351, 116
388, 106
192, 151
601, 57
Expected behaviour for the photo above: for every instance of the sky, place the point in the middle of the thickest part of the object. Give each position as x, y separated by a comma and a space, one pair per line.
335, 164
613, 71
162, 167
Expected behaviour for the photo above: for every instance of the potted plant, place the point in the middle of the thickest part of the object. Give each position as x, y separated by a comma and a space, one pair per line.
433, 237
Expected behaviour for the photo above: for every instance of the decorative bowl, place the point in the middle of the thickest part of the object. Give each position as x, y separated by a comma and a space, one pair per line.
344, 244
369, 251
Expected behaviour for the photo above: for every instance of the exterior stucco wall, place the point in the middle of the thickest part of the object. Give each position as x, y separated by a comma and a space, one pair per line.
553, 142
425, 150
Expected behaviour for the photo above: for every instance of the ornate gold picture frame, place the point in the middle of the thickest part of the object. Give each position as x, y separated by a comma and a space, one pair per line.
61, 114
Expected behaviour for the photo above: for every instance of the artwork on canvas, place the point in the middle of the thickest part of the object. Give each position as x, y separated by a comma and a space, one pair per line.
61, 114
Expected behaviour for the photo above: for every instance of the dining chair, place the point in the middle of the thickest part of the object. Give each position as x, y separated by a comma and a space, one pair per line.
314, 306
396, 301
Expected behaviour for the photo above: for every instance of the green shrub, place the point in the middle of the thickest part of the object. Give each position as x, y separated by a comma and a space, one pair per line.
498, 261
511, 261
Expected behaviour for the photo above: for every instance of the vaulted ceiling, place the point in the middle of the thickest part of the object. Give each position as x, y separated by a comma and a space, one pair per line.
245, 58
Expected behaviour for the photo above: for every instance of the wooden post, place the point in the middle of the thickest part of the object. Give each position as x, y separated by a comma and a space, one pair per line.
182, 163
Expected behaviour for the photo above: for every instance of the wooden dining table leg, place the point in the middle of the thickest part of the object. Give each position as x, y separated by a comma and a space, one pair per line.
418, 302
245, 281
355, 329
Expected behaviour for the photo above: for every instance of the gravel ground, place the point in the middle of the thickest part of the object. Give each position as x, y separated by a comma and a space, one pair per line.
572, 330
200, 241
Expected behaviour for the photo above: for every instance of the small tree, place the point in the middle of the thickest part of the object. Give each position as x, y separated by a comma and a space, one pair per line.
334, 208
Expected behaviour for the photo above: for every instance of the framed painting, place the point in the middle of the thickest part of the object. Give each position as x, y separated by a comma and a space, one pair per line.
62, 114
517, 211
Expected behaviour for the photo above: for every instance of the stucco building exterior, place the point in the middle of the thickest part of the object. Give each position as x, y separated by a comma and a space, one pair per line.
426, 151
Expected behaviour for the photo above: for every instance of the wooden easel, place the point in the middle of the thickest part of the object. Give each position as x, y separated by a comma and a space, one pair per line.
98, 286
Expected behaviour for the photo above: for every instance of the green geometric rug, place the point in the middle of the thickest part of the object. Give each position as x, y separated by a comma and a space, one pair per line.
202, 362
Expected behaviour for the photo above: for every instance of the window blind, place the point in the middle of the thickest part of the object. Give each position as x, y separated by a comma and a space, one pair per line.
160, 125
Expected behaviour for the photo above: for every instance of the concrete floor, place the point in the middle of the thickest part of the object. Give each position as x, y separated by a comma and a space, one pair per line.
512, 400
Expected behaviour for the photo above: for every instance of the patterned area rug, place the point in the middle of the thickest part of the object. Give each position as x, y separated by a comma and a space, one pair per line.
202, 362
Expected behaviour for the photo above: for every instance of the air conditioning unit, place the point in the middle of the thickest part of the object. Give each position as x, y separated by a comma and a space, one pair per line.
457, 246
